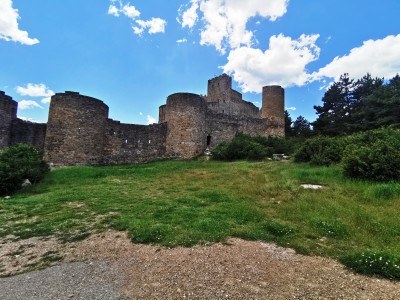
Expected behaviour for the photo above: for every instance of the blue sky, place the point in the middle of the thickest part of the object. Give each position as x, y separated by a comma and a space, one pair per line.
133, 54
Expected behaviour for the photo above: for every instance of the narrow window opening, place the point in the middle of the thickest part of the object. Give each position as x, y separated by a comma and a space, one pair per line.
208, 140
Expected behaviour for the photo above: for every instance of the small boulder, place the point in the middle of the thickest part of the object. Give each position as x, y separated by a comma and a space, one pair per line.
26, 183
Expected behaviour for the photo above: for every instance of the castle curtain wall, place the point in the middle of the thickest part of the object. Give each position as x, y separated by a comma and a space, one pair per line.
128, 143
79, 130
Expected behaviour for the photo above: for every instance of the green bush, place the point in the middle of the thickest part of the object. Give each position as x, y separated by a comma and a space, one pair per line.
374, 263
320, 151
373, 155
279, 144
19, 163
242, 147
254, 148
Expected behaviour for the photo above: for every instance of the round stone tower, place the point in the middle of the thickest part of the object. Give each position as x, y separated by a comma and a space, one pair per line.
273, 108
8, 113
75, 130
185, 115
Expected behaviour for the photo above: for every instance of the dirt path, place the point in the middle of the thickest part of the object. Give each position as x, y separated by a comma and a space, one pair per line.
240, 270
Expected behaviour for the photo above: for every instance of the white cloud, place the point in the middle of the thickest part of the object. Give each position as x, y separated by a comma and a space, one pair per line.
128, 10
151, 120
28, 104
113, 10
155, 25
189, 16
225, 21
380, 58
181, 41
35, 90
291, 108
284, 63
46, 100
9, 28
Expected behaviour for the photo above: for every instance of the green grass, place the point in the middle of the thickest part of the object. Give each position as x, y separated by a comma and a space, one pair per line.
199, 202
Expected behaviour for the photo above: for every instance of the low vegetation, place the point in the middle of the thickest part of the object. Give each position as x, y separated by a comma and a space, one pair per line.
199, 202
372, 155
245, 147
18, 164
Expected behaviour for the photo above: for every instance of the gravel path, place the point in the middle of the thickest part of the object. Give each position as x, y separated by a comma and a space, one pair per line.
80, 280
109, 266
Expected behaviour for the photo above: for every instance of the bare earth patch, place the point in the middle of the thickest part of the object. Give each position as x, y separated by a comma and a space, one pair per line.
237, 270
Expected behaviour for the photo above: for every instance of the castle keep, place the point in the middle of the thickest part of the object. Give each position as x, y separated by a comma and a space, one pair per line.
79, 131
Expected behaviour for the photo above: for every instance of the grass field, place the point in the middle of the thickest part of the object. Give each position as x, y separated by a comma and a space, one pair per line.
199, 202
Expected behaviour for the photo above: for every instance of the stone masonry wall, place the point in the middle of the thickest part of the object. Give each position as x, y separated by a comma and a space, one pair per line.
75, 130
185, 115
221, 128
127, 143
8, 113
79, 130
230, 102
221, 98
24, 132
273, 103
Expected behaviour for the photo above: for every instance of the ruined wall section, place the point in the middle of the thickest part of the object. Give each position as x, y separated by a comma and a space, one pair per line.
24, 132
75, 130
231, 103
161, 114
222, 128
185, 115
221, 98
273, 108
128, 143
8, 113
218, 85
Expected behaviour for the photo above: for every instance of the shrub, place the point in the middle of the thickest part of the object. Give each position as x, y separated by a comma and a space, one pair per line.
321, 151
242, 147
19, 163
278, 144
254, 148
373, 155
374, 263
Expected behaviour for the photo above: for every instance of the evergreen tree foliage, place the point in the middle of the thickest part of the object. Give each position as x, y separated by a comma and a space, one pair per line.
351, 106
288, 124
301, 127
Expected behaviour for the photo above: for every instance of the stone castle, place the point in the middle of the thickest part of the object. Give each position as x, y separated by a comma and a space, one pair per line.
79, 131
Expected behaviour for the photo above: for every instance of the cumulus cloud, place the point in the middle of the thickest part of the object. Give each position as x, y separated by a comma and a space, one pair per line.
28, 104
9, 28
284, 63
36, 90
151, 120
154, 25
189, 16
291, 108
117, 8
181, 41
380, 58
225, 21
